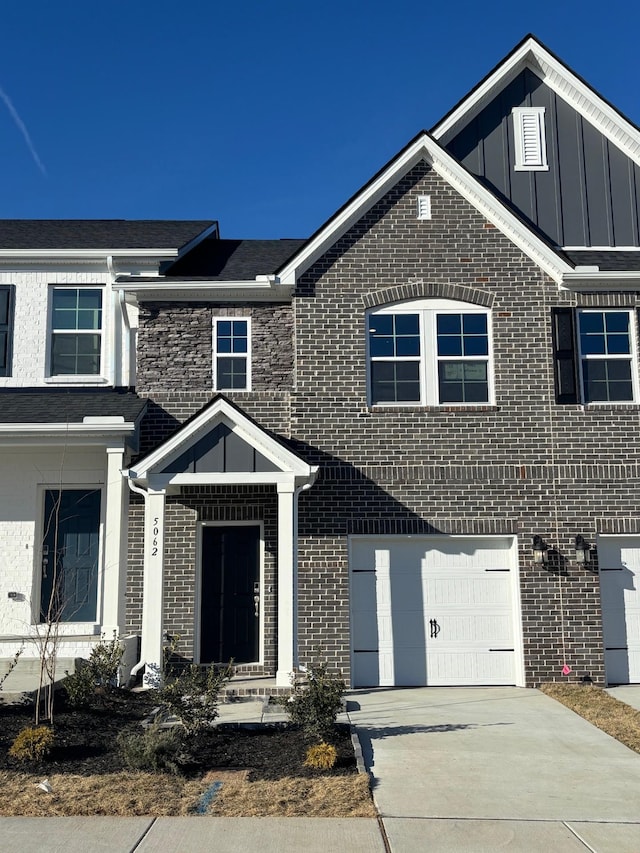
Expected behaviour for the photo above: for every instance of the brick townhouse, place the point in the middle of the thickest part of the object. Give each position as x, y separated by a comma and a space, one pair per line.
408, 440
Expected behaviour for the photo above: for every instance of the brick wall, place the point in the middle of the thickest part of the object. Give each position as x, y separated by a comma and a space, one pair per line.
185, 515
520, 466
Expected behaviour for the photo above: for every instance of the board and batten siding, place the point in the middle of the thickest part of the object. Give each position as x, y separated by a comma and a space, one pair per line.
589, 196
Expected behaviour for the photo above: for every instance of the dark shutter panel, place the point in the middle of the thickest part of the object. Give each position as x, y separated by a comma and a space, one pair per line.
6, 328
564, 355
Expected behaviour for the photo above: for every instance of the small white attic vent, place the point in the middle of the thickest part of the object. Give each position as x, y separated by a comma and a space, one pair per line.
530, 139
424, 207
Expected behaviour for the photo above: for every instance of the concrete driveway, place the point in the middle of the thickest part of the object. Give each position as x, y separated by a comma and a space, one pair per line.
474, 769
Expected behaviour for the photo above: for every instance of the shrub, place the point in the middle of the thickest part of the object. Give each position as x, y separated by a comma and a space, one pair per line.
192, 696
105, 659
32, 743
322, 756
80, 686
153, 749
101, 670
315, 701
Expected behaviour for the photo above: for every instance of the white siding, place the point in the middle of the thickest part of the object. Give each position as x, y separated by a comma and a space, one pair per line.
23, 474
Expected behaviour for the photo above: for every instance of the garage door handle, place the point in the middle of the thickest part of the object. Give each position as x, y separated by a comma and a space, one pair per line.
435, 628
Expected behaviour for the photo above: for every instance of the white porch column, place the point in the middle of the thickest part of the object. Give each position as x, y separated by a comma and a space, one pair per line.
115, 543
151, 651
286, 586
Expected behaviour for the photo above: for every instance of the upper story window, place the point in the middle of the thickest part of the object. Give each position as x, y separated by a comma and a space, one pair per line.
6, 328
429, 352
529, 139
231, 354
606, 356
76, 331
595, 355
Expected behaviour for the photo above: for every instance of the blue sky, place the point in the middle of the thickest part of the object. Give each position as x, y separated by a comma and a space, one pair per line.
265, 116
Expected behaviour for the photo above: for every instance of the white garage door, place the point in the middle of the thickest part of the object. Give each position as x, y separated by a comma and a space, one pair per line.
433, 611
619, 562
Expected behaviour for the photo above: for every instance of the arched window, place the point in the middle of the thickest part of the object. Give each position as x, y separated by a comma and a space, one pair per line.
430, 352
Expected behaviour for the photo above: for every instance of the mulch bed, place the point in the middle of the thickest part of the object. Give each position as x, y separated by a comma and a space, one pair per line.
85, 742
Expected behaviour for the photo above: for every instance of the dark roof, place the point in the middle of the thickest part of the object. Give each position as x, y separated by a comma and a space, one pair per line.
55, 405
613, 260
233, 260
99, 233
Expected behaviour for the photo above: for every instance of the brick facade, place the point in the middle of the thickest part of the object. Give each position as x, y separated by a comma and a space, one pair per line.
520, 466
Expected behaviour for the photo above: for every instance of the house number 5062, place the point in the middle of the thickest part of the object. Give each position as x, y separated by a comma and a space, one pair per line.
154, 542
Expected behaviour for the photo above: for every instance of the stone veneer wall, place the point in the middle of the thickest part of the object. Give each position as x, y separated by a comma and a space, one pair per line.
175, 345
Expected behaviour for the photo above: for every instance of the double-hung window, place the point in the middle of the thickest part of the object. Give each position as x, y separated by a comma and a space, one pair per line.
76, 331
231, 354
606, 348
429, 352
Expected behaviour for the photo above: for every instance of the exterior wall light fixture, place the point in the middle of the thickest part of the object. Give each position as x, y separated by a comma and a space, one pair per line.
582, 550
540, 550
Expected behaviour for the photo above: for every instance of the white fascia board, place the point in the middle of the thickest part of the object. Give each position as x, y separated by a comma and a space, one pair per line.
426, 148
349, 215
222, 412
496, 212
266, 289
602, 279
26, 255
61, 434
483, 93
563, 82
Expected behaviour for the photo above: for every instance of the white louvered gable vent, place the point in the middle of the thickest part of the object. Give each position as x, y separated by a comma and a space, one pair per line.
529, 139
424, 207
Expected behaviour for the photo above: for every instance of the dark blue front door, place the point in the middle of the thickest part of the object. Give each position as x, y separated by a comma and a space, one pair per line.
69, 590
229, 613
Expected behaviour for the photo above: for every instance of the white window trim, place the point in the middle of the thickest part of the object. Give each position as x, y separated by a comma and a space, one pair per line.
246, 356
537, 160
84, 378
631, 356
427, 309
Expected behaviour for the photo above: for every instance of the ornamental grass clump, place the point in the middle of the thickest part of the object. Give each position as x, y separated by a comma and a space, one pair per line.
32, 743
321, 756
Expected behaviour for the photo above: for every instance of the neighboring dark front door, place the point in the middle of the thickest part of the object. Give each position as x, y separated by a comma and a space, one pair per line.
69, 589
229, 611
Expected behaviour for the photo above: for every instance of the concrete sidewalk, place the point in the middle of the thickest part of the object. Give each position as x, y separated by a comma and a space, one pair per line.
188, 835
482, 769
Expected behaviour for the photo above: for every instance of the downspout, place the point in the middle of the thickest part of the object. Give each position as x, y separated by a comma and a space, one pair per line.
126, 341
112, 335
139, 491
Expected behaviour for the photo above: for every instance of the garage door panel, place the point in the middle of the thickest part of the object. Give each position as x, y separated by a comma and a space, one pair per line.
485, 629
464, 584
619, 563
470, 667
488, 589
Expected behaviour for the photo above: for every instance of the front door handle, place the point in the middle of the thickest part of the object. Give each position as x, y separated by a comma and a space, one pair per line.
435, 628
256, 598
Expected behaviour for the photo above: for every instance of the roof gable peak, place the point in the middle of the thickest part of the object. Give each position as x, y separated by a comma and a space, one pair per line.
532, 54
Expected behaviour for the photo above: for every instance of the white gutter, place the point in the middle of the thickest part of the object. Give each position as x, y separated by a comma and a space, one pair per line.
264, 288
44, 254
89, 427
602, 279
